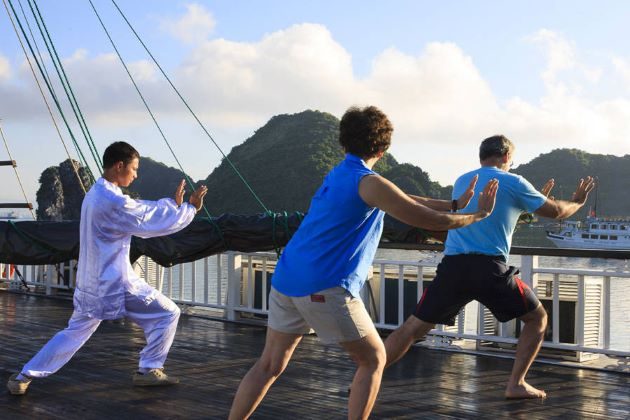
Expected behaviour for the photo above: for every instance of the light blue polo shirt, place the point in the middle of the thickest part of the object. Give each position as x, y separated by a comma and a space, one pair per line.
337, 240
493, 235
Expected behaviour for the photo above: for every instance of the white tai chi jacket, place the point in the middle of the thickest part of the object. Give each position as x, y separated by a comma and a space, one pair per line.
108, 220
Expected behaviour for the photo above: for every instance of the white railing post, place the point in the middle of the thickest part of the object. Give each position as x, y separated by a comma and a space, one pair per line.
401, 294
72, 281
219, 280
555, 310
250, 282
264, 285
206, 276
581, 306
181, 282
49, 276
529, 264
606, 312
381, 295
193, 282
234, 272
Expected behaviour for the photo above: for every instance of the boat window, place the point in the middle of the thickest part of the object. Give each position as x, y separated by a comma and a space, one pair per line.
593, 226
613, 237
622, 227
602, 226
613, 227
603, 237
593, 236
584, 236
567, 234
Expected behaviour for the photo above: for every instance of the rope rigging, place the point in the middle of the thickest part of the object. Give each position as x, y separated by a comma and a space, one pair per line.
51, 91
65, 82
189, 108
39, 54
280, 219
41, 91
6, 146
146, 105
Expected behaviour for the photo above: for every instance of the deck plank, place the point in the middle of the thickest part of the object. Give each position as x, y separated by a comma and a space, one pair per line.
212, 356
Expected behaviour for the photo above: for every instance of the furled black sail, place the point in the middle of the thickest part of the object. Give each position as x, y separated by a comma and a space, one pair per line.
34, 243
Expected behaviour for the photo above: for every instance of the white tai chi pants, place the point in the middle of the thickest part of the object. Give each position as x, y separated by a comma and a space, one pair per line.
158, 320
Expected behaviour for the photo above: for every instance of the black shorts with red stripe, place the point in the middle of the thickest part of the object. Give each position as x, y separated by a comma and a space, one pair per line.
487, 279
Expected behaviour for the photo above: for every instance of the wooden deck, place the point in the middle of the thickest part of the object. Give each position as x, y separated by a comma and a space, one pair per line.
212, 356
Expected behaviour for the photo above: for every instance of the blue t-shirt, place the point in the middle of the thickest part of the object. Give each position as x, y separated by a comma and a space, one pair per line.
337, 240
493, 235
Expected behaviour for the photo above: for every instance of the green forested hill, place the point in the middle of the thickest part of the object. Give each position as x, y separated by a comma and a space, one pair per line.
155, 180
285, 162
567, 166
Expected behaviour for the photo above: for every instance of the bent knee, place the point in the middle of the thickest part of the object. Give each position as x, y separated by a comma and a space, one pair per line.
373, 357
537, 317
271, 368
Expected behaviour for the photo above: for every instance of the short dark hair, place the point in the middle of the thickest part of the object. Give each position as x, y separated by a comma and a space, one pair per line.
365, 132
497, 145
119, 152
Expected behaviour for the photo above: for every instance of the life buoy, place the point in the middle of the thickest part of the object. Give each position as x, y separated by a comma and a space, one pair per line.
9, 271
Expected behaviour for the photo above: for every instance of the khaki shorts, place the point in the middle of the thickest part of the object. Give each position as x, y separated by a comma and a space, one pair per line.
334, 314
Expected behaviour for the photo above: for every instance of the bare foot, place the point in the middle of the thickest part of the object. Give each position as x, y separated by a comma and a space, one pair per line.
523, 391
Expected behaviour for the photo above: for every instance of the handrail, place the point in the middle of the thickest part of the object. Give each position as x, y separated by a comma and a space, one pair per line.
613, 254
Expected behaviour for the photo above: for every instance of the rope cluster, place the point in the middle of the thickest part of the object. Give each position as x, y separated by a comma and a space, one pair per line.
74, 104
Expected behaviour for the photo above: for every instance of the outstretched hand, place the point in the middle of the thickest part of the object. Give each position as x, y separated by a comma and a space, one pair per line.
465, 198
196, 198
179, 193
546, 189
488, 197
584, 187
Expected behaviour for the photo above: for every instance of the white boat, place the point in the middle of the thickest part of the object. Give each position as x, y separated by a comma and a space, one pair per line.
594, 233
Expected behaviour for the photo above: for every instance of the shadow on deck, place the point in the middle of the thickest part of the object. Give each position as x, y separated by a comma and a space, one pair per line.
210, 357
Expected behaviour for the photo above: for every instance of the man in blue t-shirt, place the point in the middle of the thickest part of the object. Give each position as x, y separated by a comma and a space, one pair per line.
317, 280
474, 264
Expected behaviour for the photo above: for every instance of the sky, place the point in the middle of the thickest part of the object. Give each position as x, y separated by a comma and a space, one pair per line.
547, 74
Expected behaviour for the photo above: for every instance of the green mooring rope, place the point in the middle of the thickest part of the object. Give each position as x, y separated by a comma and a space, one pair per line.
48, 85
146, 105
251, 190
65, 82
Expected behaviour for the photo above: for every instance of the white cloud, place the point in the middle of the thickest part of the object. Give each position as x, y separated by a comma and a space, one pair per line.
622, 67
297, 68
438, 100
562, 59
5, 69
193, 27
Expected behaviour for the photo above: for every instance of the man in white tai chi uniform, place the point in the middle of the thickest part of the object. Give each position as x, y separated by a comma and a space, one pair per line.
107, 286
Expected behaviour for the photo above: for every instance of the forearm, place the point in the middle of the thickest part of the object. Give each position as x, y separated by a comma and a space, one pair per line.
566, 208
432, 203
441, 221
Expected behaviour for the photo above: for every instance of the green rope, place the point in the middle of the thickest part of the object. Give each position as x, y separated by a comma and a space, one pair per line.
146, 105
286, 225
65, 83
251, 190
28, 25
273, 232
74, 141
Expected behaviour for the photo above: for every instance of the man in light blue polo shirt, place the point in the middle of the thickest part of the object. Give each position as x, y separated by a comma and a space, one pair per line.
474, 266
317, 280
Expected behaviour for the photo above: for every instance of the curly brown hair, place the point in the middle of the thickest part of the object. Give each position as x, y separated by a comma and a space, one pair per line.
365, 132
